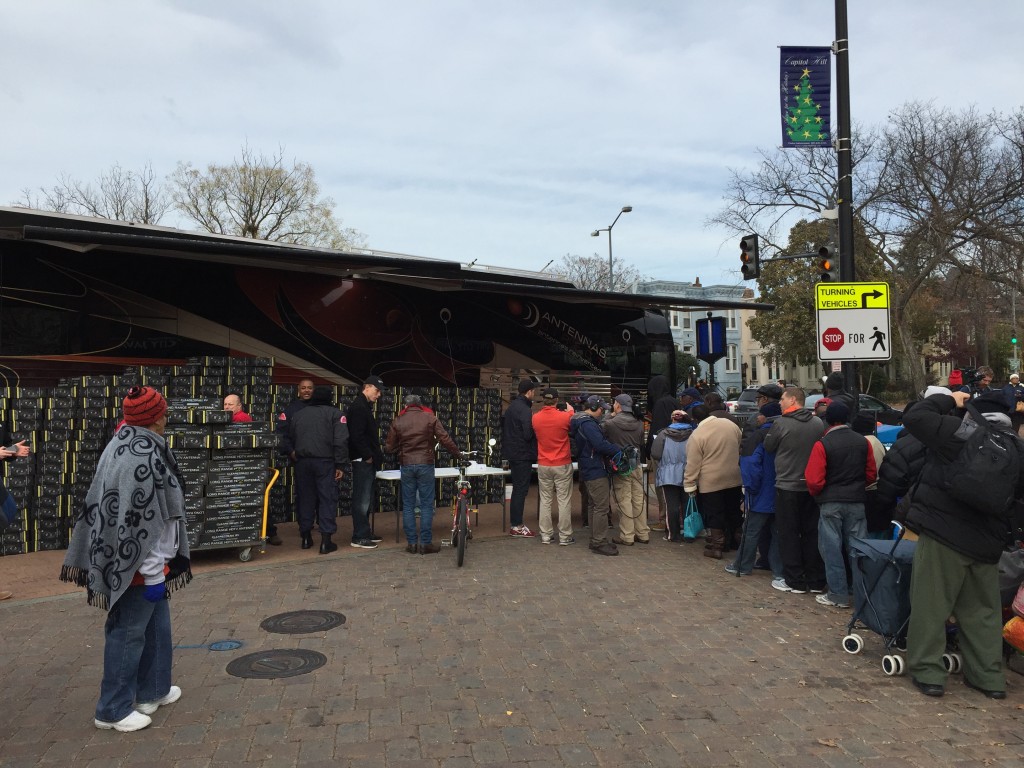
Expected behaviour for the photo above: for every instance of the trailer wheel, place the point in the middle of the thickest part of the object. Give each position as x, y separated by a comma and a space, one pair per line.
245, 555
890, 666
958, 662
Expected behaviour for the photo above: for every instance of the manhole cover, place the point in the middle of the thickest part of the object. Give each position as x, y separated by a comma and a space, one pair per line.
225, 645
272, 664
302, 622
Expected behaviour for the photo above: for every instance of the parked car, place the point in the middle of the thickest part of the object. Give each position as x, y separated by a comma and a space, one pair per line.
745, 404
884, 412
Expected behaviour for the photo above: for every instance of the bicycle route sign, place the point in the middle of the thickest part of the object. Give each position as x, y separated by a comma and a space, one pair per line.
853, 321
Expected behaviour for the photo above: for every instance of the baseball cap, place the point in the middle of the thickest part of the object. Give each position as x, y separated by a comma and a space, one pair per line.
374, 381
550, 393
837, 413
826, 401
692, 392
594, 402
625, 401
525, 385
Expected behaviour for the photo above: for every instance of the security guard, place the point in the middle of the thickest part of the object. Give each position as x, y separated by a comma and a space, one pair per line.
319, 437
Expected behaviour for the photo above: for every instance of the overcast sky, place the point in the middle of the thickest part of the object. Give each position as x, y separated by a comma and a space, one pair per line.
470, 129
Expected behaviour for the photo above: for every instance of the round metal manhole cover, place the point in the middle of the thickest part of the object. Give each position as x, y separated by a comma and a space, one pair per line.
225, 645
302, 622
269, 665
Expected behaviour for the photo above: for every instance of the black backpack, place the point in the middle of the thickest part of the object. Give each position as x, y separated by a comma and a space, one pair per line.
985, 474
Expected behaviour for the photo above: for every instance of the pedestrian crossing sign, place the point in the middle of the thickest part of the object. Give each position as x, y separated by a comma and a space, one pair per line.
853, 321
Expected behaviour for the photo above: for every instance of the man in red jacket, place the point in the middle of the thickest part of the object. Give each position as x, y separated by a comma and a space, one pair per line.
839, 470
554, 468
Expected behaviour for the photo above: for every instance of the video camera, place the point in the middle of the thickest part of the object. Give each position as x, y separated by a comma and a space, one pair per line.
971, 376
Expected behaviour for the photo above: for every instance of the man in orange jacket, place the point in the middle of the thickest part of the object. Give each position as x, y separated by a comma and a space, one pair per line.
554, 468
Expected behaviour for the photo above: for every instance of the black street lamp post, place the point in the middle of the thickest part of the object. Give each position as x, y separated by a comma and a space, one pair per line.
608, 229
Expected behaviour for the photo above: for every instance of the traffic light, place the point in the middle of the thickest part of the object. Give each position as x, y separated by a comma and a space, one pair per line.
1013, 337
750, 257
828, 263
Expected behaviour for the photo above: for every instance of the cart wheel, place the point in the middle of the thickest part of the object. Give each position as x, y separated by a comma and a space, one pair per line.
958, 662
853, 644
901, 667
948, 661
245, 555
890, 666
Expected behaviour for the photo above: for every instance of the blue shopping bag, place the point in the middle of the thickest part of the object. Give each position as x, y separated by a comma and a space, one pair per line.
693, 524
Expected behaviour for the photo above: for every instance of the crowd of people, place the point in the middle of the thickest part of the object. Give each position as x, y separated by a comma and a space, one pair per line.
786, 491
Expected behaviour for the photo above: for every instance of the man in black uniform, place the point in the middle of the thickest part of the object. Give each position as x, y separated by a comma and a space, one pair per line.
8, 507
284, 441
319, 439
367, 459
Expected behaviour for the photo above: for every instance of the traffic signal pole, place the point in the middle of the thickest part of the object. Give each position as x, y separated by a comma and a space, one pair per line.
843, 144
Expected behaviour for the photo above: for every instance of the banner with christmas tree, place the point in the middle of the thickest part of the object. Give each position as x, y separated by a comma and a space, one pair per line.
806, 85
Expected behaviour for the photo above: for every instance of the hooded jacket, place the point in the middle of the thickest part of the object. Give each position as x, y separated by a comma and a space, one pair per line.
791, 438
757, 469
669, 450
899, 470
661, 402
933, 512
592, 447
623, 428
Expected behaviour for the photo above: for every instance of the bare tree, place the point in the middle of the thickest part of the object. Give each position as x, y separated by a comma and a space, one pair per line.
590, 273
260, 197
933, 191
119, 194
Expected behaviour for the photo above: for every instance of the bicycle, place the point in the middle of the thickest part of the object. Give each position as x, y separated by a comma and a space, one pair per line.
461, 532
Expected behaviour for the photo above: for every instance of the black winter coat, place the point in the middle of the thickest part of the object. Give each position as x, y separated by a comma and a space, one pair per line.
363, 432
518, 442
981, 537
900, 469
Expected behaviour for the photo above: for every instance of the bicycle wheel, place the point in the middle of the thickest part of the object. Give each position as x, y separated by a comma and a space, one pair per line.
462, 526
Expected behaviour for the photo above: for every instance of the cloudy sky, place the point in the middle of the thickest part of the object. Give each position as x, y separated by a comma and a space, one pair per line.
471, 129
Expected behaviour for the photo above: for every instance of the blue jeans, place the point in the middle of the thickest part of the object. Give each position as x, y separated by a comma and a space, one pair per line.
839, 521
136, 655
744, 562
418, 490
363, 480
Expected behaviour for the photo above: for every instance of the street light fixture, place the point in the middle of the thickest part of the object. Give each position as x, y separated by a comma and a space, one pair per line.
608, 229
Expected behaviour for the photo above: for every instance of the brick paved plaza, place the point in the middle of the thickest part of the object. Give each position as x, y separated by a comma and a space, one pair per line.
531, 654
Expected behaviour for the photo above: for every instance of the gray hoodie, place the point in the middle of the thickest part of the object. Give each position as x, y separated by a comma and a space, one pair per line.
791, 439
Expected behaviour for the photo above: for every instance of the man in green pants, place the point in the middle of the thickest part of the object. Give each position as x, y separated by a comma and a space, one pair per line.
955, 570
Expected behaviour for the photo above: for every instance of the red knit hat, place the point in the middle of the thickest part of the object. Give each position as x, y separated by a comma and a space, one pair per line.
143, 406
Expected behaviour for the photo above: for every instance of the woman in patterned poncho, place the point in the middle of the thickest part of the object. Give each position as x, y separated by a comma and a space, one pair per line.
129, 548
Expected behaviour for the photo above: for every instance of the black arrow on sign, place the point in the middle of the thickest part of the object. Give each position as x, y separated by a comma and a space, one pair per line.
864, 298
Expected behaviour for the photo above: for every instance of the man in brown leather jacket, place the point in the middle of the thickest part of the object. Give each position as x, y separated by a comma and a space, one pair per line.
413, 434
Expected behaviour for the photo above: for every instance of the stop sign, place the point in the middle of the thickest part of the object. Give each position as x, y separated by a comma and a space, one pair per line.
832, 339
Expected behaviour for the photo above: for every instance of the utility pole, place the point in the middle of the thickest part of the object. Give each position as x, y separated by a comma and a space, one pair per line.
847, 272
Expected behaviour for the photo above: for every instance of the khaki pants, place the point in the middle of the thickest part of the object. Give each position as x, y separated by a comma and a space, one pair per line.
629, 496
555, 483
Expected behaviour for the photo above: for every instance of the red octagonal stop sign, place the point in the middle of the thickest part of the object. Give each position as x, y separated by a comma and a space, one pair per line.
832, 339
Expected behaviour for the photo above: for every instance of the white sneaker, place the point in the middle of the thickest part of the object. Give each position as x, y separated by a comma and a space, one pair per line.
782, 586
826, 600
135, 721
521, 531
149, 707
545, 539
